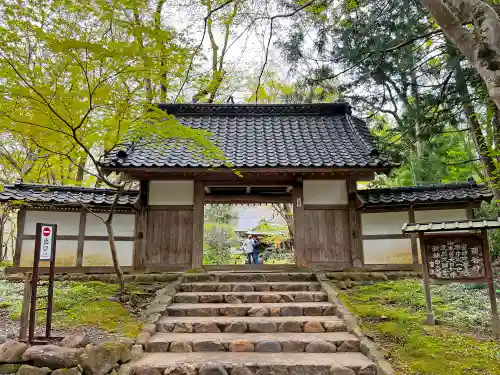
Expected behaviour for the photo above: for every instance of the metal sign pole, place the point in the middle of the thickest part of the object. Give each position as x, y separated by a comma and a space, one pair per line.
50, 291
430, 320
34, 282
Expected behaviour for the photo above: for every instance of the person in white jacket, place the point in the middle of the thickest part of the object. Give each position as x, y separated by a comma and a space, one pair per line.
248, 248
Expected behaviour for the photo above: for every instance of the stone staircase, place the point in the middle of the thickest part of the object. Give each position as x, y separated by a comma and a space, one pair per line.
252, 324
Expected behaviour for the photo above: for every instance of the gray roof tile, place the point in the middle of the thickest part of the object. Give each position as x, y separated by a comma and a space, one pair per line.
305, 135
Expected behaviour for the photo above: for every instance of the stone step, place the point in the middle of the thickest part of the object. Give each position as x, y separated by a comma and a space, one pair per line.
243, 324
249, 276
328, 342
278, 286
249, 297
262, 363
251, 309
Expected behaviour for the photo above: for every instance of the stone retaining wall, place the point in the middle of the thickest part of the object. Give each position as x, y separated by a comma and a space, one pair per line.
345, 280
73, 356
105, 278
367, 347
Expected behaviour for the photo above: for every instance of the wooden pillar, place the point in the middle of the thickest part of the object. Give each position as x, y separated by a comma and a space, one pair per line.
299, 244
141, 219
430, 320
414, 243
495, 320
21, 220
198, 221
469, 211
356, 239
81, 238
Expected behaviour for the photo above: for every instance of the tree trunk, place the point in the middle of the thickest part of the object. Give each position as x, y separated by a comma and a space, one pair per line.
114, 255
481, 44
475, 131
80, 172
111, 239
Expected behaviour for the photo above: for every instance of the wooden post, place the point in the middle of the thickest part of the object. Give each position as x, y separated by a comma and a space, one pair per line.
430, 320
198, 221
23, 323
299, 244
469, 211
413, 236
356, 239
21, 220
141, 218
81, 238
495, 321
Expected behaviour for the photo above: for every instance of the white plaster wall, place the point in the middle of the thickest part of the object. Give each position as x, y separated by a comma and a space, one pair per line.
123, 225
395, 251
383, 222
440, 215
97, 253
65, 253
171, 193
67, 222
325, 192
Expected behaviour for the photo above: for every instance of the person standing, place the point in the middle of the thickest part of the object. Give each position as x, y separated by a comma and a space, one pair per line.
248, 248
256, 246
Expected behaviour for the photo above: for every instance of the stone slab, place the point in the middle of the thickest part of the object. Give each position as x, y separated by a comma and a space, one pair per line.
193, 296
278, 285
189, 306
318, 361
226, 338
226, 320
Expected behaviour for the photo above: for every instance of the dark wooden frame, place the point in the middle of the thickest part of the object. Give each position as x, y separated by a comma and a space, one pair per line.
487, 279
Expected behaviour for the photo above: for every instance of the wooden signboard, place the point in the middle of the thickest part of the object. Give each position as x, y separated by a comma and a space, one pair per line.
455, 257
462, 257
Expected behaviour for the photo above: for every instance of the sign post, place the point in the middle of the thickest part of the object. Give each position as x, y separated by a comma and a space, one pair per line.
45, 250
462, 256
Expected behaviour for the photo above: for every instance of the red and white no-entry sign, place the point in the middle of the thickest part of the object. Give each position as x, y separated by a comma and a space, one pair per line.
46, 241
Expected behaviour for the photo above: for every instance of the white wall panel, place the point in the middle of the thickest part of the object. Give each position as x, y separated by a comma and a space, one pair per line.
67, 222
123, 225
171, 193
394, 251
325, 192
97, 253
383, 222
440, 215
65, 253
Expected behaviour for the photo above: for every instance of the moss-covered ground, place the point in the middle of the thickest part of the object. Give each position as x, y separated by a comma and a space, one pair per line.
461, 344
77, 304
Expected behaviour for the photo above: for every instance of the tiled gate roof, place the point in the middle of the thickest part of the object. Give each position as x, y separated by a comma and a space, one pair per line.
263, 136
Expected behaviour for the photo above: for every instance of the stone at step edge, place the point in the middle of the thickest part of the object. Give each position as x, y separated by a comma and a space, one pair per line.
243, 324
280, 342
243, 309
250, 287
250, 277
289, 363
250, 297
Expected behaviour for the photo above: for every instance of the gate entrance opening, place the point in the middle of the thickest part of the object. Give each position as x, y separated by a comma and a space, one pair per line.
235, 214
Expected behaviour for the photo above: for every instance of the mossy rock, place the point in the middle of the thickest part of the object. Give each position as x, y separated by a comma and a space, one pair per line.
9, 368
